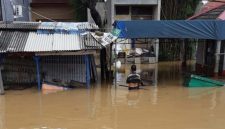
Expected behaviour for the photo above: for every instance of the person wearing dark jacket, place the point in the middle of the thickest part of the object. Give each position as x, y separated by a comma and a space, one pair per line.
133, 79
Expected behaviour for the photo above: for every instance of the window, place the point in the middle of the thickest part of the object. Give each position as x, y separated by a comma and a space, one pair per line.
142, 10
122, 10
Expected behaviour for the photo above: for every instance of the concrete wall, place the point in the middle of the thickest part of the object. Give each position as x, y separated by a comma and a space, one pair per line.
0, 10
155, 3
7, 10
136, 2
107, 10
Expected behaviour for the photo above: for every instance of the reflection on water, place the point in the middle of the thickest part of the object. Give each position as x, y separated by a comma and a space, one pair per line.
166, 105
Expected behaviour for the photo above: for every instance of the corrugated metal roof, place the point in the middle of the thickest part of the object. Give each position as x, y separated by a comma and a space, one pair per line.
66, 42
18, 41
88, 42
39, 42
21, 37
59, 42
67, 26
13, 41
87, 26
5, 39
49, 25
20, 25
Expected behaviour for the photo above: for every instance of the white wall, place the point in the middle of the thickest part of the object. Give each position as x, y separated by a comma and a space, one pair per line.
136, 2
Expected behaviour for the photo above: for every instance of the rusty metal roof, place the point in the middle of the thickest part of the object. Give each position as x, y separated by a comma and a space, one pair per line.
212, 10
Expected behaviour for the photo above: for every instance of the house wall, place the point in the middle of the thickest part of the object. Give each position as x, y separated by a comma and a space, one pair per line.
60, 13
156, 4
18, 71
107, 10
0, 10
7, 10
25, 8
63, 69
55, 10
136, 2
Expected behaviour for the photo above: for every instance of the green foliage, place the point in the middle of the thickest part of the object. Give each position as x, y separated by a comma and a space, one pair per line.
178, 9
80, 10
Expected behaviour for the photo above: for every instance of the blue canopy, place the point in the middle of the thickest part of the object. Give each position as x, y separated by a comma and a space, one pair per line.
196, 29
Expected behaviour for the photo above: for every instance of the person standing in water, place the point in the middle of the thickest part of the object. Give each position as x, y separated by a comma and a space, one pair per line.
134, 79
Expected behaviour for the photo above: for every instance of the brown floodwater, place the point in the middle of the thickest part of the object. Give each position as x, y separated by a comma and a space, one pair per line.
163, 104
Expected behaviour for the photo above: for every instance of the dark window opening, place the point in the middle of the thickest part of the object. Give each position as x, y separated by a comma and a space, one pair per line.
142, 10
122, 10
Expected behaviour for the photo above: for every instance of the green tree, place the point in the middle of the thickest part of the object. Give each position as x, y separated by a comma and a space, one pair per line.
173, 49
178, 9
81, 6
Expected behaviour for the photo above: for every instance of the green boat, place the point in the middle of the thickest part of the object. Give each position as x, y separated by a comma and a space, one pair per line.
199, 81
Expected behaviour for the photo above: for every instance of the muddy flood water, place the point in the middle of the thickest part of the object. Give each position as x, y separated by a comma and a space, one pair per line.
163, 104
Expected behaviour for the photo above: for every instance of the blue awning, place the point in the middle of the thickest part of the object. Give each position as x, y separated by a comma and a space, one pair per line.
196, 29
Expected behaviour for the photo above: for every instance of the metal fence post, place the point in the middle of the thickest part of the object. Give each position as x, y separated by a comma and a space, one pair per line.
87, 64
2, 91
37, 61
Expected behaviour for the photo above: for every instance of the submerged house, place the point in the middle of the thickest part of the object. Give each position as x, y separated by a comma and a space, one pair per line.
129, 50
210, 59
57, 53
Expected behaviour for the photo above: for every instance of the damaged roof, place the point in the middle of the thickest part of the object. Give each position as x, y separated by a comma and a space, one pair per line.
46, 37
